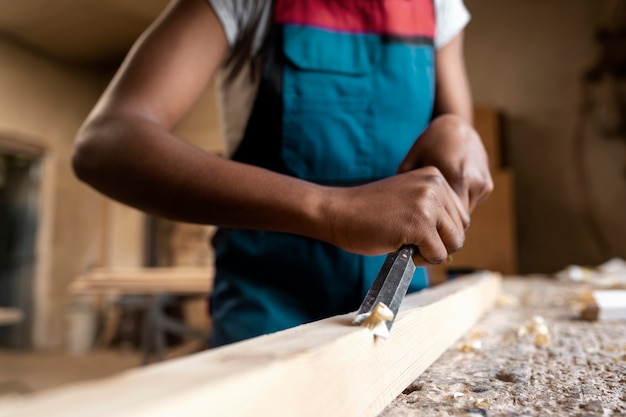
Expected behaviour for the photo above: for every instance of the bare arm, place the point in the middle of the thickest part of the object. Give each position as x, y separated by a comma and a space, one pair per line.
450, 143
125, 149
453, 95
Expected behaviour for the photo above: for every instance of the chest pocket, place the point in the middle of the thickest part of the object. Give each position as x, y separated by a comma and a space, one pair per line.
328, 92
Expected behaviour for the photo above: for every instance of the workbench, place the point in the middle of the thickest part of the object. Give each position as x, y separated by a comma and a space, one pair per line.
474, 346
153, 281
155, 287
491, 371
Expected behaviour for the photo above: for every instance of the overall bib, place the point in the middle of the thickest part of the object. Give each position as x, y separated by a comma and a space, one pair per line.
346, 88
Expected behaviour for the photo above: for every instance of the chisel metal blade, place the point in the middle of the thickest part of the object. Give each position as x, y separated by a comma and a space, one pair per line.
389, 288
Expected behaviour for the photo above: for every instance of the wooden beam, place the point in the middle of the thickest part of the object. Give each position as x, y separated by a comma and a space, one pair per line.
325, 368
179, 280
10, 316
605, 305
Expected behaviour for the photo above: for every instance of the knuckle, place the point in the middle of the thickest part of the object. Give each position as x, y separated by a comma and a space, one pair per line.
488, 188
457, 244
484, 191
456, 240
424, 215
437, 258
436, 180
431, 172
425, 196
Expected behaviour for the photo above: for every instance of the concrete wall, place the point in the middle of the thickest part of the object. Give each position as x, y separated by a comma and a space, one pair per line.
527, 58
41, 105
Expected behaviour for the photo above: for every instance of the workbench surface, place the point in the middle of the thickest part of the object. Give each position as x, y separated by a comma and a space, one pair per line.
492, 371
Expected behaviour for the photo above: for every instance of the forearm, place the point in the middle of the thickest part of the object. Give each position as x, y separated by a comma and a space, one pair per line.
141, 164
454, 97
453, 93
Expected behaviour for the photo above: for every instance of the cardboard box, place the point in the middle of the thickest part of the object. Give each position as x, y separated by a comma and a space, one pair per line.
487, 122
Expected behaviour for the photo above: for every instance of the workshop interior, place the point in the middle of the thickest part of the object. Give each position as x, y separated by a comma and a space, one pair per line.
90, 287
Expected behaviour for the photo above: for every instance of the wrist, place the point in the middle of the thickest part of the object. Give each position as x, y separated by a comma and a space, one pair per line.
321, 212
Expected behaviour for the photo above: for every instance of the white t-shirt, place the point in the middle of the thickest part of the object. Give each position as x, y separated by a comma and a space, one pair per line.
451, 17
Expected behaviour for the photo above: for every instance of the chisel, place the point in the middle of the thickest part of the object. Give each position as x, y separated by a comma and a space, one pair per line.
382, 302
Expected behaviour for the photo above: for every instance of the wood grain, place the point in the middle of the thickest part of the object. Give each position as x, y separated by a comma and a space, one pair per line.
325, 368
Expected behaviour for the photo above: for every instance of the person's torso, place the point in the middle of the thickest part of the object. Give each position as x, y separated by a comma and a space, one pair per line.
346, 88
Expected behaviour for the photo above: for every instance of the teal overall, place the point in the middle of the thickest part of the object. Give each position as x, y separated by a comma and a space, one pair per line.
346, 88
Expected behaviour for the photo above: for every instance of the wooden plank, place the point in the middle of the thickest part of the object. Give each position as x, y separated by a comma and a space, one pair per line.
10, 316
325, 368
145, 281
605, 305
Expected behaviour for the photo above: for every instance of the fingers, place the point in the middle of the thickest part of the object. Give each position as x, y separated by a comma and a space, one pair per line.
458, 209
452, 237
480, 191
472, 183
439, 242
450, 199
431, 248
442, 220
417, 208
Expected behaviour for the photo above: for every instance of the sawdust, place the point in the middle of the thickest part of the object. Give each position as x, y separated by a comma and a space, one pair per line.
579, 371
535, 330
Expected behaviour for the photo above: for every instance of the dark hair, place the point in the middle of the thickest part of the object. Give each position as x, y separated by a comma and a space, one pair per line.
242, 52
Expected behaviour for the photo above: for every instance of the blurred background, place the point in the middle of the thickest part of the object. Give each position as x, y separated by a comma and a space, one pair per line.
91, 287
